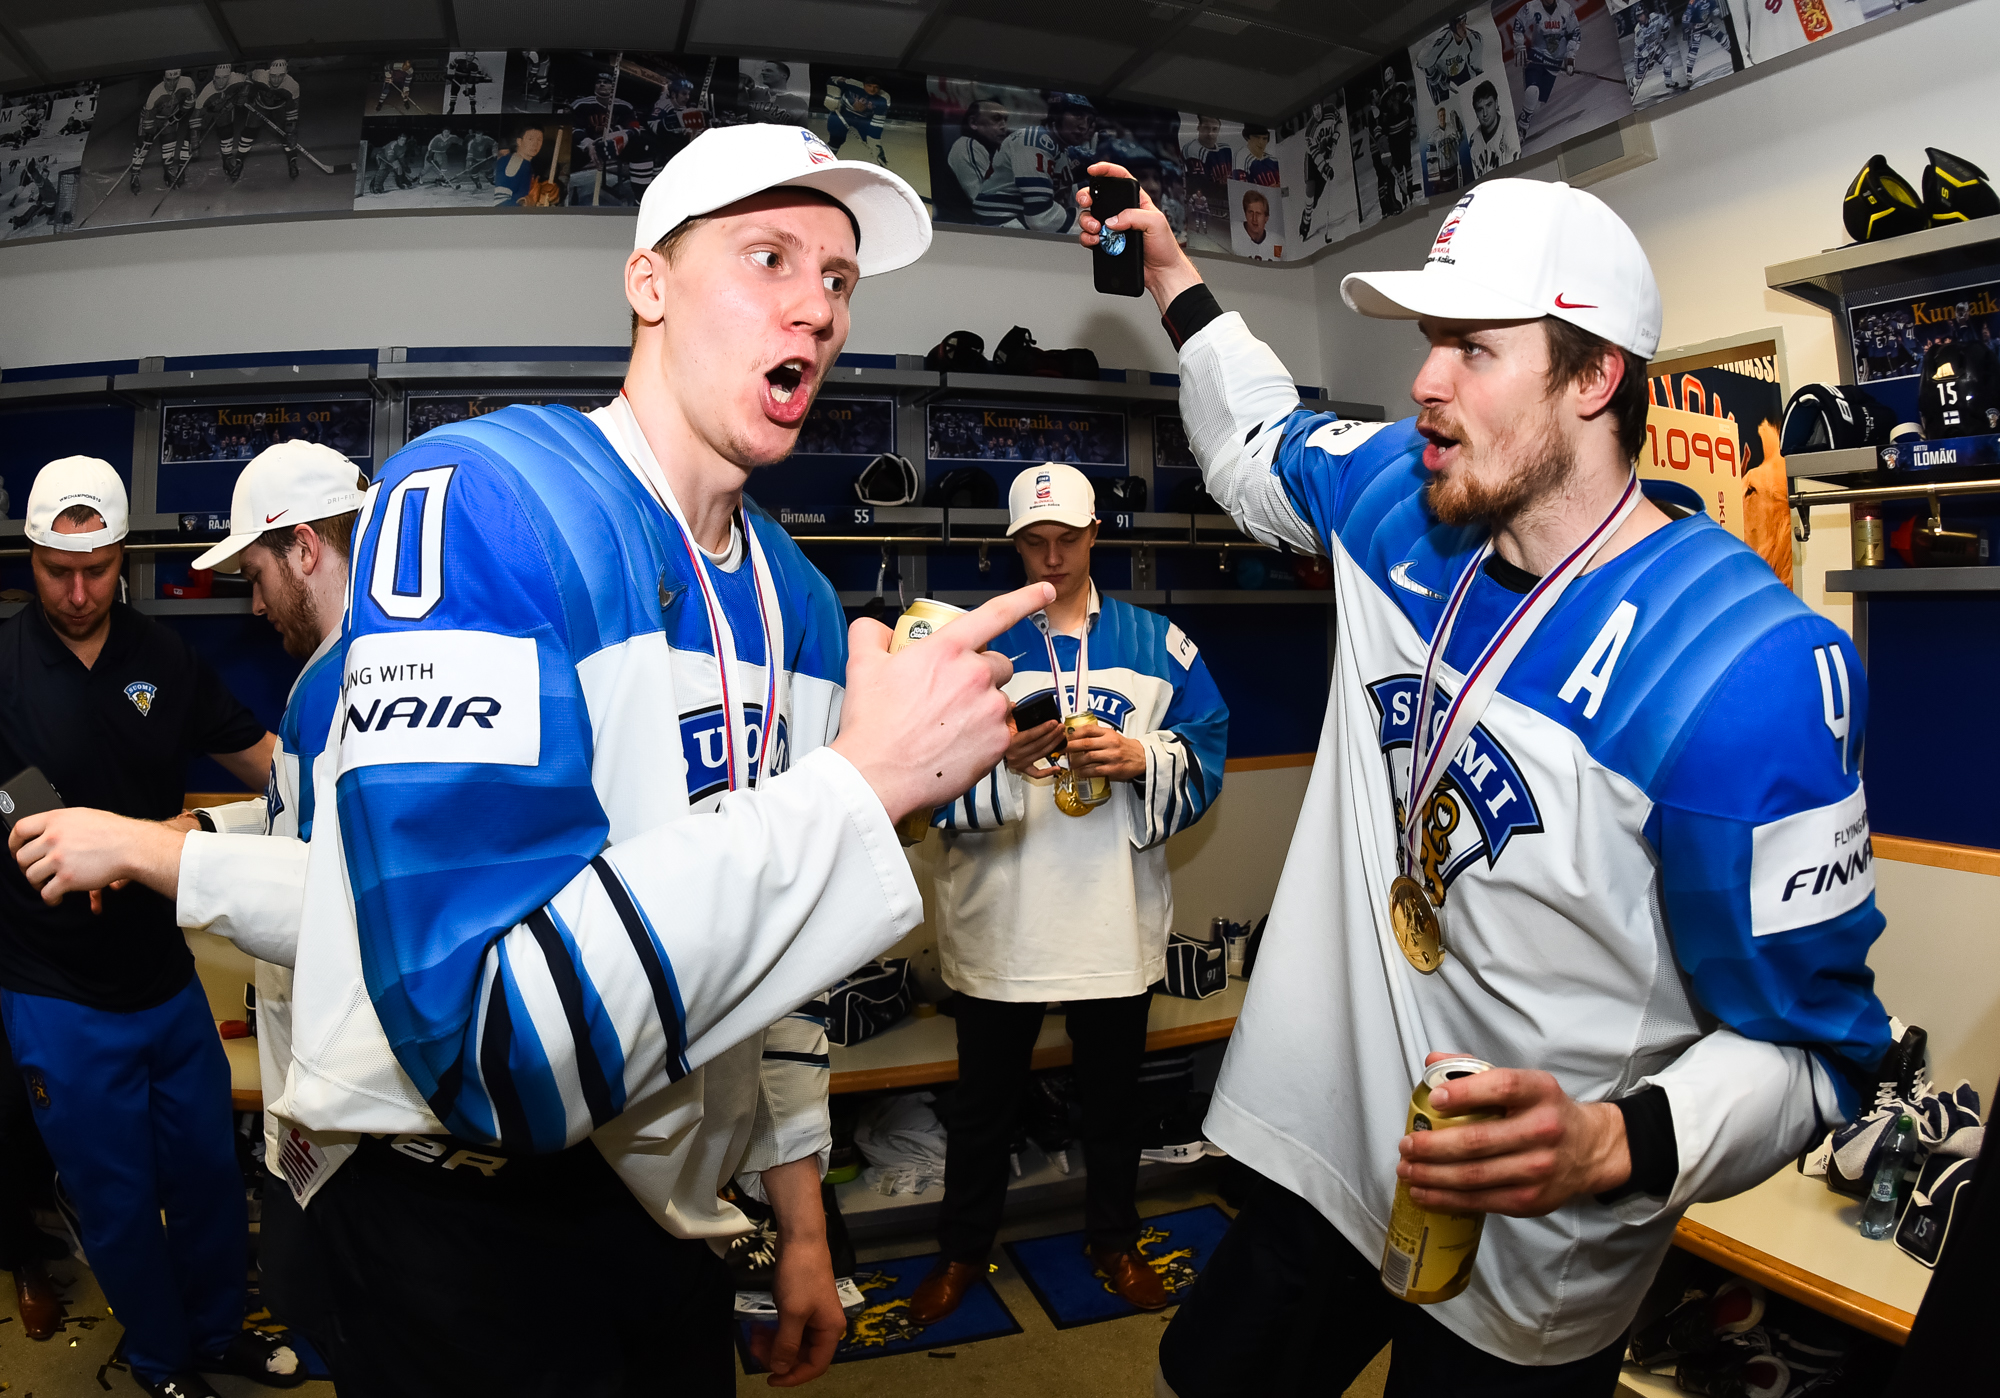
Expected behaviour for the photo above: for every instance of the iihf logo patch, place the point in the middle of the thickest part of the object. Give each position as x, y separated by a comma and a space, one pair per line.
1042, 487
141, 694
816, 150
1477, 808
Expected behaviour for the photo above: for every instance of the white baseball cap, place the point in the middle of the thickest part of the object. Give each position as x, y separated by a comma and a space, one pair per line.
77, 480
1054, 493
1520, 250
728, 163
290, 483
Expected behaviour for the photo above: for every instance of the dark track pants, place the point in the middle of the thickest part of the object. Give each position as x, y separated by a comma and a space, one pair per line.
1288, 1305
996, 1042
135, 1110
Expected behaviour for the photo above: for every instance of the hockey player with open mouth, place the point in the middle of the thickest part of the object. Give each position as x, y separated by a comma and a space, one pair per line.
611, 799
1539, 832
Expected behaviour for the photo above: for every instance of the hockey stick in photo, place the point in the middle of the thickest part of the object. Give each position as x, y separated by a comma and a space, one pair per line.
296, 144
117, 183
610, 116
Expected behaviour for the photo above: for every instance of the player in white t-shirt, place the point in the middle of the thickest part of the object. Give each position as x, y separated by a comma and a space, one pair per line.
1588, 806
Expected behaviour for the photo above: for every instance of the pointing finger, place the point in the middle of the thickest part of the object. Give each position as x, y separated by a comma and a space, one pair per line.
977, 628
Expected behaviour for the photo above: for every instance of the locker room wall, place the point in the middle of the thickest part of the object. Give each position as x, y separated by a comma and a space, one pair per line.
530, 280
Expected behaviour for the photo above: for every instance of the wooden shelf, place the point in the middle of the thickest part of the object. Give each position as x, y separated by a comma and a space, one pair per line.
922, 1051
1797, 1237
1978, 579
1842, 272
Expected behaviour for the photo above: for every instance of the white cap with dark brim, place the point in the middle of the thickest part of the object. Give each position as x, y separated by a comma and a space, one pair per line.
1519, 250
728, 163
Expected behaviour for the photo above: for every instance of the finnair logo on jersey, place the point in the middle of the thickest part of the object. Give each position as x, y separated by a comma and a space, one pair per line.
440, 696
1811, 866
1482, 803
705, 745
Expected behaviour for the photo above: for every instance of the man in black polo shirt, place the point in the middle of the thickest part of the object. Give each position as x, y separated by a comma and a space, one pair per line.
109, 1026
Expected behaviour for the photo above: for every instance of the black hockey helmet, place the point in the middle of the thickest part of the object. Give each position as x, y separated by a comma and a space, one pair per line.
1956, 190
1832, 417
1958, 390
1880, 204
967, 488
887, 480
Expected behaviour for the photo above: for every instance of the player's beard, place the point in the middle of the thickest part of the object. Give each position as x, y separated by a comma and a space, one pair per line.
1528, 463
296, 616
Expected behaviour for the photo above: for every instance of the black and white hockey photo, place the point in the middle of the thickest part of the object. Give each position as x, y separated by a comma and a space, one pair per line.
526, 86
427, 162
1319, 174
272, 135
1383, 105
630, 113
1674, 46
42, 136
1565, 73
773, 90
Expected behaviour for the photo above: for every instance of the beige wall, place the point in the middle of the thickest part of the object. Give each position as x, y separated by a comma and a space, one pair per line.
1938, 965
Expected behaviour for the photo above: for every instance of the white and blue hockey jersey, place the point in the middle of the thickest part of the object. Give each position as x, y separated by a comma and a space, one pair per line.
1037, 905
246, 881
1652, 855
556, 903
1030, 183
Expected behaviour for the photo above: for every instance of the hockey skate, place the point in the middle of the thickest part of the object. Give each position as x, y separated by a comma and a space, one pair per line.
137, 171
292, 163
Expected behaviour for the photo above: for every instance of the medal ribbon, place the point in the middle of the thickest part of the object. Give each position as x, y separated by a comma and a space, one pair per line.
1082, 685
768, 611
1428, 759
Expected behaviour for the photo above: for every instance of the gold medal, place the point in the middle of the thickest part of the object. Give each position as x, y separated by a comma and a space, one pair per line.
1415, 923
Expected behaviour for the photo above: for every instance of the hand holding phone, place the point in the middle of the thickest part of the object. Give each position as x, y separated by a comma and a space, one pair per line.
27, 793
1118, 262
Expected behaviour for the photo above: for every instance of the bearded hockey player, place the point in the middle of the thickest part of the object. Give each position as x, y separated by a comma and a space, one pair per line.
164, 122
563, 1044
1546, 36
1539, 832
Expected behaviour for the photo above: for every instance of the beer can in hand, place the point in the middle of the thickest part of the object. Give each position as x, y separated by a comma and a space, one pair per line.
1075, 795
1428, 1255
925, 617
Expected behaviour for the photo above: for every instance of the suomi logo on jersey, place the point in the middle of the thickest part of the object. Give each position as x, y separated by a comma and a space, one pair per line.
705, 745
1109, 705
1479, 806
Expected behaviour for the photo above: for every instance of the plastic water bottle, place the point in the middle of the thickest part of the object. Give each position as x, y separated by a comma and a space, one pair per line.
1878, 1214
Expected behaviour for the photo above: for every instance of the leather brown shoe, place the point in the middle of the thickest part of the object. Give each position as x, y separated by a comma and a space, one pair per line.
1132, 1277
939, 1294
41, 1307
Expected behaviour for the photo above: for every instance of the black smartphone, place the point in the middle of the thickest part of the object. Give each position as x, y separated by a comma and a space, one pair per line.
1118, 262
27, 793
1033, 713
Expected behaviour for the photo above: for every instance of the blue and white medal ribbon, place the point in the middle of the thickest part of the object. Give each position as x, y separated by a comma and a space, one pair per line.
1433, 743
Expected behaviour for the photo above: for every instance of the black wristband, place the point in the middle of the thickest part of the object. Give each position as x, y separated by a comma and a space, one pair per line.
1190, 311
202, 819
1649, 1140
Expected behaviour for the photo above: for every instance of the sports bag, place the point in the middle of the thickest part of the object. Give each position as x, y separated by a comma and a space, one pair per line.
869, 1001
1195, 970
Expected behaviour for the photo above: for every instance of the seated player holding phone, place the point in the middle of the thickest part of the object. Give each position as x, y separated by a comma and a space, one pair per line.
1036, 906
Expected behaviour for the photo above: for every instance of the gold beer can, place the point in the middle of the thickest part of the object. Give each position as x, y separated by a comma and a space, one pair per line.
925, 617
1427, 1257
1079, 796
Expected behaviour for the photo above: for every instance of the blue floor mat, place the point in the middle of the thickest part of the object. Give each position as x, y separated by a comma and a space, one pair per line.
1059, 1271
885, 1327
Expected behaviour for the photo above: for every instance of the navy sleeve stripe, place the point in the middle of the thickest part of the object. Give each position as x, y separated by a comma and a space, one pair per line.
510, 1117
664, 1002
815, 1060
569, 989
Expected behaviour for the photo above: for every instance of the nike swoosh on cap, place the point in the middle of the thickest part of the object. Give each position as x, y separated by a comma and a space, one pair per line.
272, 519
1572, 305
1400, 576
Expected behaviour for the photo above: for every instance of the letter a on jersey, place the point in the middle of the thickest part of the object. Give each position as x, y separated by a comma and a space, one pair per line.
1593, 672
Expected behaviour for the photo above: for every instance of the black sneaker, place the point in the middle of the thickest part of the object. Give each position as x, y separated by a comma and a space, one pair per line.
178, 1386
1698, 1324
1900, 1084
1729, 1372
262, 1358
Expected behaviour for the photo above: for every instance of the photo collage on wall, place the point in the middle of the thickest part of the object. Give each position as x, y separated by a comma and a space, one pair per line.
271, 135
42, 136
1466, 124
1318, 175
1565, 71
1674, 46
466, 129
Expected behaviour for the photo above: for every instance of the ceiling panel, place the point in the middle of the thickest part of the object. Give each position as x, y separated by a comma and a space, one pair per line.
1129, 24
1251, 46
977, 45
575, 24
1353, 23
787, 27
1230, 90
96, 43
322, 24
13, 74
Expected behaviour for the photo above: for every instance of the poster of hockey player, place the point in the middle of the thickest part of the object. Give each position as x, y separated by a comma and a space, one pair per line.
1256, 221
1673, 46
428, 409
203, 446
42, 136
1212, 150
630, 113
1011, 432
1768, 28
1467, 123
1565, 73
1889, 338
873, 116
429, 162
526, 86
772, 89
1013, 157
472, 82
1319, 175
1385, 106
267, 136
